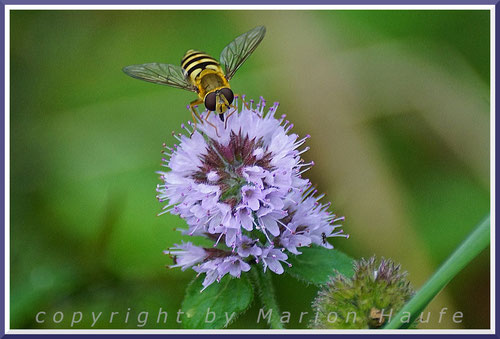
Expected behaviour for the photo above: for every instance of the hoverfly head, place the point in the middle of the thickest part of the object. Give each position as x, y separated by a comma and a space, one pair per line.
219, 101
224, 98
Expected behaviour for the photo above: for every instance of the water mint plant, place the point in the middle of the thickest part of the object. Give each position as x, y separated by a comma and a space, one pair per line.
239, 183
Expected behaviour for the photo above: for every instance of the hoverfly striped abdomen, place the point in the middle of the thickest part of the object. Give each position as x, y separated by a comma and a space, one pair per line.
195, 62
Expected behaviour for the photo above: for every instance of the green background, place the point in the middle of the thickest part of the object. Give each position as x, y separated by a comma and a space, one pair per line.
396, 102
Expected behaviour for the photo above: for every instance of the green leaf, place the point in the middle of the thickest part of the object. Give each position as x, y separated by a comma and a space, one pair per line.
316, 264
218, 305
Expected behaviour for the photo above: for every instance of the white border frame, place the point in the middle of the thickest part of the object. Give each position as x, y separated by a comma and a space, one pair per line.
8, 8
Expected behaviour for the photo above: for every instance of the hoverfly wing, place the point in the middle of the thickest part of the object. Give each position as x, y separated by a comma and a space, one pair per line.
234, 54
163, 74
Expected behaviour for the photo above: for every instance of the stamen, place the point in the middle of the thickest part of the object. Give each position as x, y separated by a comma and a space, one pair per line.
286, 226
305, 164
319, 197
194, 230
218, 239
304, 150
339, 234
165, 211
309, 191
263, 228
304, 170
186, 129
301, 141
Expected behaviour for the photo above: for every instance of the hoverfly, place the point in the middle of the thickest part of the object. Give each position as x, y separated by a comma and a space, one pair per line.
202, 74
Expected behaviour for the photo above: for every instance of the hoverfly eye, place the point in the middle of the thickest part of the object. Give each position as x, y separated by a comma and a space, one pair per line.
210, 101
228, 94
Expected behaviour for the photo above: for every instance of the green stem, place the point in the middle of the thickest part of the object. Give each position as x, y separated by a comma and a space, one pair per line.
474, 244
267, 296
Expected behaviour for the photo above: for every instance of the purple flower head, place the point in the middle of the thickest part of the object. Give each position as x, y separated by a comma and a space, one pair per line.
239, 183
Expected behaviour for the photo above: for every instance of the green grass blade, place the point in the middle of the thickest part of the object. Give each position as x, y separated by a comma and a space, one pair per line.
474, 244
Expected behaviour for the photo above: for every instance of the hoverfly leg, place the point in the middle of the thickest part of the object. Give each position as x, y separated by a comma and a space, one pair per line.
227, 118
208, 122
194, 113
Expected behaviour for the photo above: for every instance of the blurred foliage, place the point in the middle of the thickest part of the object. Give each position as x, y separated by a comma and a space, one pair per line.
396, 101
